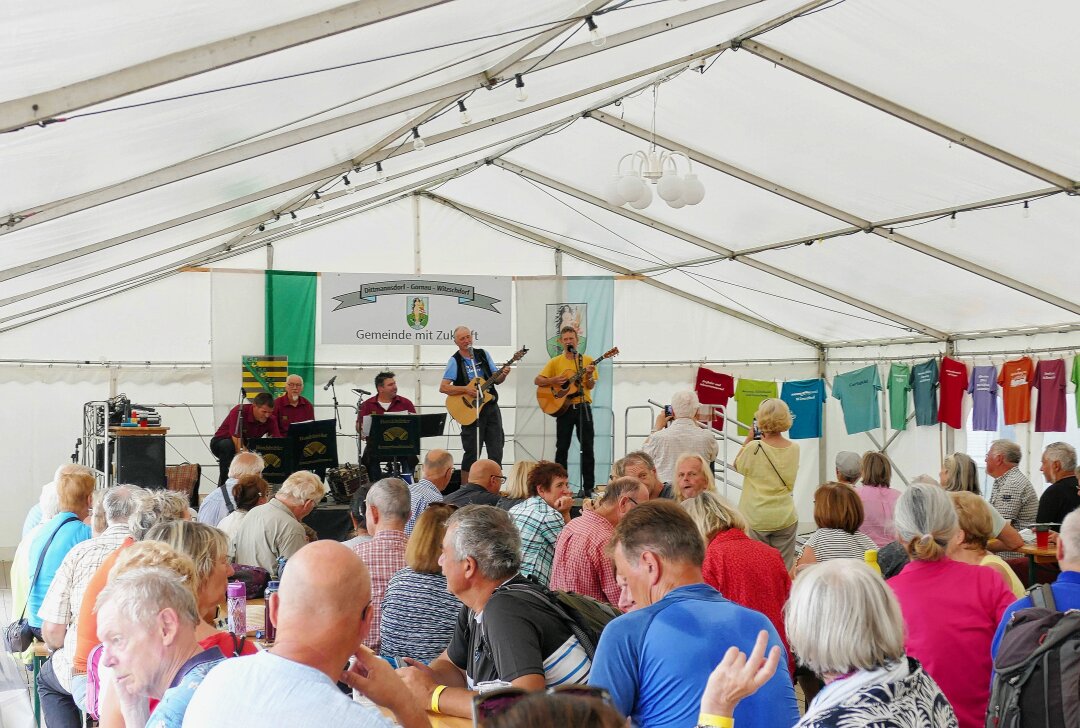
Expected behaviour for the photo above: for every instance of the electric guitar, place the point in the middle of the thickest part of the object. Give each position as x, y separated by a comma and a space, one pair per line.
463, 408
556, 400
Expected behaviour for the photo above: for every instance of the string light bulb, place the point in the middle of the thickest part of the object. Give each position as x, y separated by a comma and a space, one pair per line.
519, 83
465, 117
320, 204
349, 189
295, 220
1027, 210
952, 220
380, 175
597, 38
418, 141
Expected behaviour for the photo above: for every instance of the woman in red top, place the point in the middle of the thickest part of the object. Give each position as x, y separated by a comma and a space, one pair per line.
744, 570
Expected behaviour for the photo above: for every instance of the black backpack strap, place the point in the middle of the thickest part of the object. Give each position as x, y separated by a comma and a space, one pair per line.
1042, 596
545, 595
228, 501
238, 644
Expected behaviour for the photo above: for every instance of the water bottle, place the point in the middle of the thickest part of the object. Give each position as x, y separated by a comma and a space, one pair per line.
236, 606
871, 560
280, 568
268, 626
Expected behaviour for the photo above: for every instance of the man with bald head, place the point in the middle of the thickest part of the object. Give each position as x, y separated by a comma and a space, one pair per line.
438, 469
323, 612
292, 406
485, 480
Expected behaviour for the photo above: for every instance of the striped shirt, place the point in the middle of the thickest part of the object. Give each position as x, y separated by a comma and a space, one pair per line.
422, 494
834, 543
418, 615
65, 596
540, 526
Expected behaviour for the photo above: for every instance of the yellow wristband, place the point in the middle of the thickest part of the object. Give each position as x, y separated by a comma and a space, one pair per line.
435, 698
715, 721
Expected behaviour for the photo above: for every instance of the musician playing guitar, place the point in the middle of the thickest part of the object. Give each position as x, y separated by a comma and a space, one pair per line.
465, 365
234, 433
556, 373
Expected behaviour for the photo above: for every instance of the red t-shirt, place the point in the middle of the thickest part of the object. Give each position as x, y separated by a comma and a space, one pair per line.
1050, 411
1015, 382
286, 412
953, 383
714, 388
253, 429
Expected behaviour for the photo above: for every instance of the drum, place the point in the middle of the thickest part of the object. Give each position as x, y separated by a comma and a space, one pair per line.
345, 481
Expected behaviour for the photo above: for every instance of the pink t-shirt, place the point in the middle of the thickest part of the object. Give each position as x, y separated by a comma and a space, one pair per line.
878, 504
951, 611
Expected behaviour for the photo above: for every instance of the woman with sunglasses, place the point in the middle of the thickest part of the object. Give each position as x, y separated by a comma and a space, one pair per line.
420, 589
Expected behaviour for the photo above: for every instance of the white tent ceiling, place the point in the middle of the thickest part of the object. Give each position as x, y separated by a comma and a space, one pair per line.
834, 138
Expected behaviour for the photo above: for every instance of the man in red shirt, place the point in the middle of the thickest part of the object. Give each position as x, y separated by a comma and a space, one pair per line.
581, 561
386, 400
291, 406
258, 421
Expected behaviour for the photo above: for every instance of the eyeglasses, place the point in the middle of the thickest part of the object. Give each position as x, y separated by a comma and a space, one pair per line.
499, 701
632, 500
500, 478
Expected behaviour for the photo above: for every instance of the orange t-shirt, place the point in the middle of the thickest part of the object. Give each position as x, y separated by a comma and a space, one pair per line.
1015, 382
86, 637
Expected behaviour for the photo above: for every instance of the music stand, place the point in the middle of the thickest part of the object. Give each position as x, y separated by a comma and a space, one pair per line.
277, 455
314, 445
394, 436
432, 425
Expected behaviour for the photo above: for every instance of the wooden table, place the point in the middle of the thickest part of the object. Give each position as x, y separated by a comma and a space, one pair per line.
438, 720
1035, 555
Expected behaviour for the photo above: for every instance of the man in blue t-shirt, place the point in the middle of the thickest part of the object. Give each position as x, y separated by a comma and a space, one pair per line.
1066, 589
656, 660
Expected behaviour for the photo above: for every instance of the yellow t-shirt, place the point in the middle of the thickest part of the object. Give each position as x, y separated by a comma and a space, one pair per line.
561, 366
1015, 584
766, 497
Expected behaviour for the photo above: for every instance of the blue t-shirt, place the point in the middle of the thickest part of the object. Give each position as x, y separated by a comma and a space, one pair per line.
858, 395
924, 384
804, 399
472, 371
1066, 592
656, 660
169, 713
71, 533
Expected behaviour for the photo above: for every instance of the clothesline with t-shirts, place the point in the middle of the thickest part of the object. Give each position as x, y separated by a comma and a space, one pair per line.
935, 387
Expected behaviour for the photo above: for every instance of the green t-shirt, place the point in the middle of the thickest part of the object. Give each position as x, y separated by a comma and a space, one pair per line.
1076, 381
858, 395
924, 384
749, 393
899, 384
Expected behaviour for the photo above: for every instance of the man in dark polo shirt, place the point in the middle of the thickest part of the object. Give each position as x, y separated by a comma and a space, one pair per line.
507, 629
292, 406
1062, 496
485, 480
258, 421
386, 400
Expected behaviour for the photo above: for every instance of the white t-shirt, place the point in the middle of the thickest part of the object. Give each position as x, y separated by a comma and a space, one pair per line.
264, 689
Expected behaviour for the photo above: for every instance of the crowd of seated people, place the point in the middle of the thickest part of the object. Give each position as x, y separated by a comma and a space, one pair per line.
449, 603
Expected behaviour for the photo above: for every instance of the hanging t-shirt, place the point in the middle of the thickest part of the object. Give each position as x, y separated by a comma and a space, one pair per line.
1050, 412
954, 382
749, 393
858, 395
899, 385
804, 398
1015, 383
984, 393
924, 384
714, 388
1076, 381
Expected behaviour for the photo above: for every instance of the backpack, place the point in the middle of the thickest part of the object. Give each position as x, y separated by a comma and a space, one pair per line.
584, 616
1037, 668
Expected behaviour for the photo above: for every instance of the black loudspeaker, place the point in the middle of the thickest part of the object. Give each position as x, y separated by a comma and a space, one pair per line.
141, 461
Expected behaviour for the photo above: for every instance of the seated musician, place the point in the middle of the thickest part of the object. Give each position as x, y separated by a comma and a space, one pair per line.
229, 439
386, 400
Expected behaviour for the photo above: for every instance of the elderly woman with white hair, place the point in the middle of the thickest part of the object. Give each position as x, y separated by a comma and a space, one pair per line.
846, 626
769, 464
951, 609
276, 529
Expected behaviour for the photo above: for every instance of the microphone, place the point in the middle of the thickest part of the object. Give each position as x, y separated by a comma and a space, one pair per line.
570, 348
330, 383
361, 391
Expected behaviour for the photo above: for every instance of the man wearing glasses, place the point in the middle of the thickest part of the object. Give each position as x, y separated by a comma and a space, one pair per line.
581, 561
485, 480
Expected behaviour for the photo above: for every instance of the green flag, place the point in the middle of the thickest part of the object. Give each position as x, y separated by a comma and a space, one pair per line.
290, 322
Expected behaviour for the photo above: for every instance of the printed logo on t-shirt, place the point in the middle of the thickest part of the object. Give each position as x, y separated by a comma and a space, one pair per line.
1019, 379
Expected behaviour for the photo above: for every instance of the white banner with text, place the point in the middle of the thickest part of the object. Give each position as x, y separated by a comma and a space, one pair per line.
369, 308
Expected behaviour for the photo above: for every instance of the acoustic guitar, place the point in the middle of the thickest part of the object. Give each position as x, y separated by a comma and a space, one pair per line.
556, 400
464, 408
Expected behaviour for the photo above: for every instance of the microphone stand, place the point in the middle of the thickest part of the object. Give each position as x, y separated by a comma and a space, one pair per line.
333, 395
359, 424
